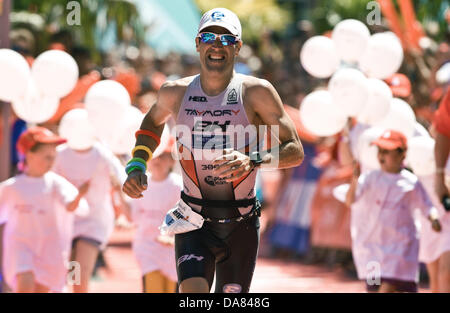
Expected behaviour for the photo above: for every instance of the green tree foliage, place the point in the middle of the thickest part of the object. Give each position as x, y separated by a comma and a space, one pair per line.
95, 15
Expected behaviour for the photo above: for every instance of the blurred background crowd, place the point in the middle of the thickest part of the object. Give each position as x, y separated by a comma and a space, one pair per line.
143, 43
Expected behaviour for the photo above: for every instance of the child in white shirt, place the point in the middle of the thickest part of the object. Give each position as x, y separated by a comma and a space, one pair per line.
385, 245
38, 229
3, 287
99, 166
156, 253
435, 247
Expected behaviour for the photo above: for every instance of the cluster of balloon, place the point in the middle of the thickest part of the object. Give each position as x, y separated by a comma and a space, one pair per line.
112, 118
77, 129
356, 63
35, 93
420, 155
108, 116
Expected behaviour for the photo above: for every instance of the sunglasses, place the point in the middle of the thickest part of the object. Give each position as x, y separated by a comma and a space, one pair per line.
226, 39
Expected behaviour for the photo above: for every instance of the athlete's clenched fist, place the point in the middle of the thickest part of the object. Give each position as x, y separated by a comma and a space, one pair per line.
135, 184
232, 165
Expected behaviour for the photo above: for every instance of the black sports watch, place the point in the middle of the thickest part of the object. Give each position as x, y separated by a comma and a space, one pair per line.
256, 159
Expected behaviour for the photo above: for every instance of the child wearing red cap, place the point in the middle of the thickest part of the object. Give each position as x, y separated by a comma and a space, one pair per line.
385, 244
156, 253
36, 206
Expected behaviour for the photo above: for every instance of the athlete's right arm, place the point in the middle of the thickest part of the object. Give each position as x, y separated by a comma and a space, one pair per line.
154, 121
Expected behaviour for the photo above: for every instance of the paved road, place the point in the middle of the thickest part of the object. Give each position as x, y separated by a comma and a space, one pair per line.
271, 275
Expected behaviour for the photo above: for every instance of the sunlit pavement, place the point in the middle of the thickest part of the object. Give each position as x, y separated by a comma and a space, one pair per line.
271, 275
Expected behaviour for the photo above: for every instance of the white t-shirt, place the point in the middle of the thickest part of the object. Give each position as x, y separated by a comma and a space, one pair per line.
3, 210
382, 224
433, 244
148, 214
38, 231
96, 165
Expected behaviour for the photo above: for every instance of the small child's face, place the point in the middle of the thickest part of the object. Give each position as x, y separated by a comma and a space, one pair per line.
391, 161
41, 161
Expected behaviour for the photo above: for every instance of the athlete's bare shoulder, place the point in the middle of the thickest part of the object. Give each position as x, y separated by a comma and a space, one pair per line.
258, 91
179, 83
171, 93
252, 82
175, 88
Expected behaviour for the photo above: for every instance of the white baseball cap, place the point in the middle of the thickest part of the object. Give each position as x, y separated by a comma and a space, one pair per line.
221, 17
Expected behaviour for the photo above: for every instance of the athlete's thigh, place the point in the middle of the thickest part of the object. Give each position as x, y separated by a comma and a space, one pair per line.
234, 274
193, 258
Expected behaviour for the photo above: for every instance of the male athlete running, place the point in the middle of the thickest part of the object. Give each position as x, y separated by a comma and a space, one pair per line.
219, 186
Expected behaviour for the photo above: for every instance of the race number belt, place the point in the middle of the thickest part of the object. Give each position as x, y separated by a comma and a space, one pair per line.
256, 209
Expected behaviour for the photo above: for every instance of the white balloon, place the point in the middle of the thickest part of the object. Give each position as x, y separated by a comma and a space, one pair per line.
320, 115
33, 106
14, 75
55, 73
367, 153
350, 38
77, 129
420, 155
318, 57
383, 56
124, 139
340, 192
378, 102
400, 117
350, 90
443, 74
419, 130
107, 102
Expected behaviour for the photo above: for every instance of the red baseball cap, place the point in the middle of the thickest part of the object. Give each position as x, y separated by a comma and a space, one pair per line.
391, 140
400, 85
33, 135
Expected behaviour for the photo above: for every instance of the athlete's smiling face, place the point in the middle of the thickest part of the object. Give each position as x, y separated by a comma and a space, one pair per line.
216, 56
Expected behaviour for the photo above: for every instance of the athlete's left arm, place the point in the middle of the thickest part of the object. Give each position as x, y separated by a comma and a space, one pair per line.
267, 105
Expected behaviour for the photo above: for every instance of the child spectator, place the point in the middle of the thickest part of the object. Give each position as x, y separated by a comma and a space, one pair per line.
34, 205
91, 233
155, 253
385, 244
435, 247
